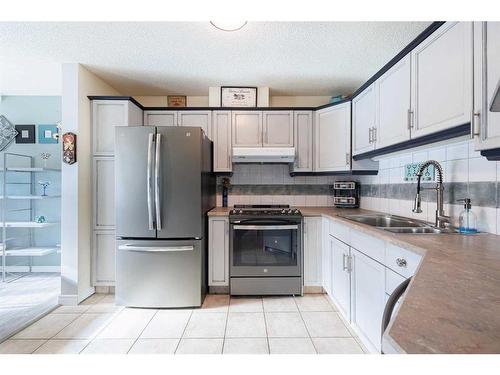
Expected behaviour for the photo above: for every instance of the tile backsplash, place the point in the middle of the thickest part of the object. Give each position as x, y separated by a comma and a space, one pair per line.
466, 174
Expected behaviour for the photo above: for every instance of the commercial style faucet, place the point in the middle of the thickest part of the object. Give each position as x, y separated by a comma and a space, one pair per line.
441, 218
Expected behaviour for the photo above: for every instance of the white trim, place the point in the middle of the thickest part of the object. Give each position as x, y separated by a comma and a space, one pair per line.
33, 269
67, 299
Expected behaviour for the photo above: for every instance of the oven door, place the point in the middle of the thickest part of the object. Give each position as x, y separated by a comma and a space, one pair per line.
263, 247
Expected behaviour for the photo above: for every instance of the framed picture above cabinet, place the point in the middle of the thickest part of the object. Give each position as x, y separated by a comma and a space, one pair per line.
233, 96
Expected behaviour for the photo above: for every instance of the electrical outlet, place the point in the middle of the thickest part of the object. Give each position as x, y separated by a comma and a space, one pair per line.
412, 169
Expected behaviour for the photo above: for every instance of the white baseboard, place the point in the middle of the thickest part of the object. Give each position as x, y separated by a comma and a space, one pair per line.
33, 269
86, 294
68, 299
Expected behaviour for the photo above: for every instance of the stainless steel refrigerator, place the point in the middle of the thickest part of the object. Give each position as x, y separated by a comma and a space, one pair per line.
164, 186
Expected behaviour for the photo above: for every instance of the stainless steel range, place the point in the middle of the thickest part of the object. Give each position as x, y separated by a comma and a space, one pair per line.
266, 245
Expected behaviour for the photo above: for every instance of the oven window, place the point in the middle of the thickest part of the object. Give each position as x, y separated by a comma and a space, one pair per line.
270, 247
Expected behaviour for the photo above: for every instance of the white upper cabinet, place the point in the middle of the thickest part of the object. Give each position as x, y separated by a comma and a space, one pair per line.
486, 82
221, 136
332, 127
303, 134
442, 79
160, 118
247, 128
106, 115
277, 128
393, 113
363, 121
368, 298
202, 119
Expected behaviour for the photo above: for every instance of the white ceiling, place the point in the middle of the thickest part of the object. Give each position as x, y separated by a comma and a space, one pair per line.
292, 58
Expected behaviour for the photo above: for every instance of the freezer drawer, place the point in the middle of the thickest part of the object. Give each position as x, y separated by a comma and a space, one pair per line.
159, 274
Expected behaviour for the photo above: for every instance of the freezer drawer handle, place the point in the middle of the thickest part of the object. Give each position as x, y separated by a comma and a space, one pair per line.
157, 182
150, 183
155, 249
264, 227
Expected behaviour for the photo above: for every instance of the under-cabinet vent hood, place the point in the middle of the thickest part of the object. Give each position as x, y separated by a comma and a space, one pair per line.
263, 154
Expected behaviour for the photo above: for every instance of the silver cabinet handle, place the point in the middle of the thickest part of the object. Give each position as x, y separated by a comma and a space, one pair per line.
150, 183
347, 159
409, 119
475, 124
370, 135
264, 227
374, 134
344, 263
401, 262
155, 249
157, 181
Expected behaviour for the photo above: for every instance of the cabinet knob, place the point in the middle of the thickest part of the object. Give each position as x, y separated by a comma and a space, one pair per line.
401, 262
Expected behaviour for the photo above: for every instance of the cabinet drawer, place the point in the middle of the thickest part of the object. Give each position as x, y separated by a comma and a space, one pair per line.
404, 262
368, 245
340, 231
392, 280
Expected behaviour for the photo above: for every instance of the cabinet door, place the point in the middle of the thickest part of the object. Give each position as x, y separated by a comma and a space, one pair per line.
393, 114
442, 79
341, 277
277, 128
326, 259
486, 82
368, 298
202, 119
312, 251
106, 114
221, 136
160, 118
333, 138
218, 252
303, 134
104, 258
104, 193
363, 121
247, 128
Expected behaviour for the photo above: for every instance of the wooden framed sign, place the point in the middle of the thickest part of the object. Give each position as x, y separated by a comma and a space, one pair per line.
69, 148
176, 101
233, 96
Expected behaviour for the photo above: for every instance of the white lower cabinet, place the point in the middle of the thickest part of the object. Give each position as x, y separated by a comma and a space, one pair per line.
218, 251
341, 276
312, 251
367, 298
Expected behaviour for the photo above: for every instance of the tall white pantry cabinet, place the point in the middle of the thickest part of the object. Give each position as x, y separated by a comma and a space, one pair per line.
106, 115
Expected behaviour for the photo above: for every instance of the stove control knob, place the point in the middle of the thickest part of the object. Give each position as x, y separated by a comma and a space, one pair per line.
283, 211
290, 211
296, 212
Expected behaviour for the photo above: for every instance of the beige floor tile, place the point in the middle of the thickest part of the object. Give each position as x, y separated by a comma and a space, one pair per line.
109, 346
105, 305
243, 304
86, 326
337, 346
215, 303
154, 346
246, 346
20, 346
167, 324
128, 324
206, 325
313, 302
46, 327
78, 309
279, 304
285, 324
62, 347
93, 299
200, 346
246, 325
325, 324
291, 346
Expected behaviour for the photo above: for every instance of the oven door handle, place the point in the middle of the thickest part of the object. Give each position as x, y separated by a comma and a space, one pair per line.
264, 227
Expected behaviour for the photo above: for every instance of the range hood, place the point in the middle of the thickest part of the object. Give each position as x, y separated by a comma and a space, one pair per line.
263, 154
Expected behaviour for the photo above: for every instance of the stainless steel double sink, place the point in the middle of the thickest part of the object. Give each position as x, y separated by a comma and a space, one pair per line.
398, 224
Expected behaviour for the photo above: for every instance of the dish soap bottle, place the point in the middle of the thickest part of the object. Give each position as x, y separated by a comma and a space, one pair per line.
467, 220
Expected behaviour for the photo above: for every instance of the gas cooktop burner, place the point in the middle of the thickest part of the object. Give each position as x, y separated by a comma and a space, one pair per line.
264, 210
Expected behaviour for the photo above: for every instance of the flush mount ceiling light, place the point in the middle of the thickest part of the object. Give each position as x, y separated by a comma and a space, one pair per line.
228, 25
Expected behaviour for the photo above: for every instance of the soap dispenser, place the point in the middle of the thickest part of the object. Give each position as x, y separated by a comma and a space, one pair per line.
467, 220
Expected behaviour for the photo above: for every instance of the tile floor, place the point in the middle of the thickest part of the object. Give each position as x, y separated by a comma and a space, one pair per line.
237, 325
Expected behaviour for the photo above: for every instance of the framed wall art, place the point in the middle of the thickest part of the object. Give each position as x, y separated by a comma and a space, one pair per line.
235, 96
26, 134
47, 134
176, 101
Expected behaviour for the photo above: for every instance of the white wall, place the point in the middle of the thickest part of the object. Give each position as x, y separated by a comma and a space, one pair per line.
76, 224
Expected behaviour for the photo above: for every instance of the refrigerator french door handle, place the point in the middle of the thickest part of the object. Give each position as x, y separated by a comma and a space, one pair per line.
157, 182
155, 249
149, 179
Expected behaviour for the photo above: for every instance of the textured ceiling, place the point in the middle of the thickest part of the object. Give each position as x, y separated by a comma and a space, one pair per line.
292, 58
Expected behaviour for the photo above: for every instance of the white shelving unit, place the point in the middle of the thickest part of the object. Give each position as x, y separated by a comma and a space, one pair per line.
30, 224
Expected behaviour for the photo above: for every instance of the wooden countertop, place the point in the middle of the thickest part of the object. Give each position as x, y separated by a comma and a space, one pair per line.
452, 304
